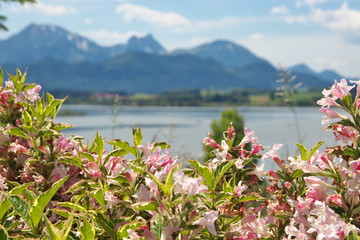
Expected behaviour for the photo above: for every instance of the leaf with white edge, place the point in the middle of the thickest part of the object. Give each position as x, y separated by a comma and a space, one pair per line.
159, 183
53, 232
106, 224
18, 132
137, 135
146, 206
221, 170
87, 231
123, 231
27, 119
41, 201
51, 109
72, 206
21, 208
3, 233
303, 150
66, 227
204, 171
313, 150
123, 145
99, 196
1, 77
353, 235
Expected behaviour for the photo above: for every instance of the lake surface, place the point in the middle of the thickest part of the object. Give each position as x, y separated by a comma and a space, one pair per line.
185, 127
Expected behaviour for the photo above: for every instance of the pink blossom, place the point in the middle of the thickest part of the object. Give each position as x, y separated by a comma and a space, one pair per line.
355, 167
59, 172
273, 153
33, 93
240, 188
248, 138
327, 100
208, 141
330, 114
111, 199
316, 183
143, 195
258, 171
231, 132
209, 221
335, 200
2, 183
256, 148
187, 185
357, 84
93, 169
345, 133
341, 89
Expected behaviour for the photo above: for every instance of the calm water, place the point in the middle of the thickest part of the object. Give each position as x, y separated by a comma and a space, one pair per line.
185, 127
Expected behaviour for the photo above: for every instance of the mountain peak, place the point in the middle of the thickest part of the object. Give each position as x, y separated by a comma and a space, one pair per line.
302, 68
144, 44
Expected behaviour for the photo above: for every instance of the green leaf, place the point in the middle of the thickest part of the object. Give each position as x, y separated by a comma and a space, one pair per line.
204, 172
21, 208
303, 151
87, 231
3, 233
346, 101
19, 189
221, 170
137, 135
353, 236
1, 77
163, 145
159, 183
27, 119
297, 173
106, 224
53, 232
123, 231
41, 201
123, 145
71, 160
72, 206
314, 149
146, 206
98, 145
99, 196
247, 198
52, 108
305, 154
169, 181
18, 132
66, 227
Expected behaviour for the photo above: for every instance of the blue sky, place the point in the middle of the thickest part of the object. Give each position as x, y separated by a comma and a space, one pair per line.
325, 34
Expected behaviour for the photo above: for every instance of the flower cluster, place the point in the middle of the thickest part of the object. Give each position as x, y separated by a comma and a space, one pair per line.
57, 187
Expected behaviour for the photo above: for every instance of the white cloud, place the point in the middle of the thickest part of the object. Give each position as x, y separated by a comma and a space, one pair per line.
282, 9
48, 9
297, 19
343, 20
256, 36
173, 20
88, 21
318, 51
300, 3
177, 22
109, 38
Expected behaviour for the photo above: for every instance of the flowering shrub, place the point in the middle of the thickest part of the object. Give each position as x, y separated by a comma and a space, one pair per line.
58, 187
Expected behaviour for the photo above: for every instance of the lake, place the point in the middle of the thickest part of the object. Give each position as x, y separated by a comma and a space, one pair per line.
185, 127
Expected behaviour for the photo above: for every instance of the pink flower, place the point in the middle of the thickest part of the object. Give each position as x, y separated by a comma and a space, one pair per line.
240, 188
258, 171
330, 114
316, 183
345, 133
93, 169
341, 89
187, 185
248, 138
2, 183
208, 141
327, 100
209, 221
273, 153
111, 199
143, 195
335, 200
355, 167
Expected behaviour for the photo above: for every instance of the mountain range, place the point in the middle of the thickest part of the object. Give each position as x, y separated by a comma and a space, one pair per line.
60, 60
